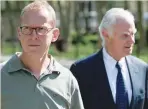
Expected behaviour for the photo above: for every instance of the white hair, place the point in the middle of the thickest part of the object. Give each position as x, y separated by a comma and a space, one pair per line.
110, 19
40, 4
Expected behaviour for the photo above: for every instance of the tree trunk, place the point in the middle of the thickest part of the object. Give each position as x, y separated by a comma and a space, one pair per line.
65, 14
12, 27
126, 5
76, 26
101, 8
141, 41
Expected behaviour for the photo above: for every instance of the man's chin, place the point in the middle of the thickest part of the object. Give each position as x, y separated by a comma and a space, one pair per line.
33, 52
129, 52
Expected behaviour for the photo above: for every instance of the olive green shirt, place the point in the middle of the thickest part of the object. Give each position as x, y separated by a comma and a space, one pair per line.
55, 89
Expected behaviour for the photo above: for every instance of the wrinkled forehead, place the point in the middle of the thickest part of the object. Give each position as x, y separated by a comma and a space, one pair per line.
125, 25
38, 17
125, 20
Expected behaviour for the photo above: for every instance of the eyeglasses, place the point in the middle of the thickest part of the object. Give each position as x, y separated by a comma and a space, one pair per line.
26, 30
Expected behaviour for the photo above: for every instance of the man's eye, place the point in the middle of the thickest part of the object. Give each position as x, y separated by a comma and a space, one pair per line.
126, 35
41, 28
26, 27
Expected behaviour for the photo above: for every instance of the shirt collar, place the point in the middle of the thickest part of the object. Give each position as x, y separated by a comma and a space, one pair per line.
111, 60
15, 64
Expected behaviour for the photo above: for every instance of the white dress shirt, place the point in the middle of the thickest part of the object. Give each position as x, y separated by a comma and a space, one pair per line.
112, 71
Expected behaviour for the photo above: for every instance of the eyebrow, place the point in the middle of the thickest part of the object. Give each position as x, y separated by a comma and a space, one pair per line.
33, 26
135, 30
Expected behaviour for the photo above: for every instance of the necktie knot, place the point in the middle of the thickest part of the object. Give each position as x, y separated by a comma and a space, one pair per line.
118, 66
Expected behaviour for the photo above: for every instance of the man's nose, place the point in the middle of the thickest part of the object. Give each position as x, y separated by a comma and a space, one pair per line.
34, 34
132, 39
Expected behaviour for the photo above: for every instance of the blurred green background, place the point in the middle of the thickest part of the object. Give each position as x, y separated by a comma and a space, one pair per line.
78, 22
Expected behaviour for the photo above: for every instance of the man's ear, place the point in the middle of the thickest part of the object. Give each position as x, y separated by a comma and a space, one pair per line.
105, 33
18, 33
56, 33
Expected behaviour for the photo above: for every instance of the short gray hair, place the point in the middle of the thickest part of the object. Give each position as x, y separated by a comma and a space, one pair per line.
39, 4
110, 19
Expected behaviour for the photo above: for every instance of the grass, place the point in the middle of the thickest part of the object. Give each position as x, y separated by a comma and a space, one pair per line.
85, 50
73, 52
143, 54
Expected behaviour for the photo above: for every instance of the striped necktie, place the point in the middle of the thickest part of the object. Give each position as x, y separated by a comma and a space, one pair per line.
121, 93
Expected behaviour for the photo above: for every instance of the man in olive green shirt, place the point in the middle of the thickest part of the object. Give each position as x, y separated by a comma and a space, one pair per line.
33, 79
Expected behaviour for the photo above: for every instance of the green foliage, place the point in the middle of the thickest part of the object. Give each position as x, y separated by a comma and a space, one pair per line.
74, 51
83, 50
86, 50
9, 48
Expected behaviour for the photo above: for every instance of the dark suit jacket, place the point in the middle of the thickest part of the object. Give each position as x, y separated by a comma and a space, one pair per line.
94, 85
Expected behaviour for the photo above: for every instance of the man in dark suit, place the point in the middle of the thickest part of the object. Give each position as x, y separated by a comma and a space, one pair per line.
112, 78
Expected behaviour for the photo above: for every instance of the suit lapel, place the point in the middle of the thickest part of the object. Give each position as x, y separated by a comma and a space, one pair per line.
103, 86
133, 78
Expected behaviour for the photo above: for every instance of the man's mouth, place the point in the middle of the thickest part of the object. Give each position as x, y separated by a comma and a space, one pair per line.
129, 47
34, 45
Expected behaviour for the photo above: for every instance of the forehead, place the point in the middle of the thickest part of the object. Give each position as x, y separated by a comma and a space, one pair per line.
40, 17
125, 26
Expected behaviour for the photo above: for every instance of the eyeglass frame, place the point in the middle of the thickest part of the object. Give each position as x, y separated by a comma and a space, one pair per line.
48, 30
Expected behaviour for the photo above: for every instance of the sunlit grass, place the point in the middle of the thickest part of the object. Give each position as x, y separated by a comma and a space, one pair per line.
73, 52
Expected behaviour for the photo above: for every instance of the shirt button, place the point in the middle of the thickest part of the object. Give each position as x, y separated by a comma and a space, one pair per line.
55, 95
38, 85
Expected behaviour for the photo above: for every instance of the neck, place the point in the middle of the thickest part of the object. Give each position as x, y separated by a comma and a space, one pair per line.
112, 53
35, 63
